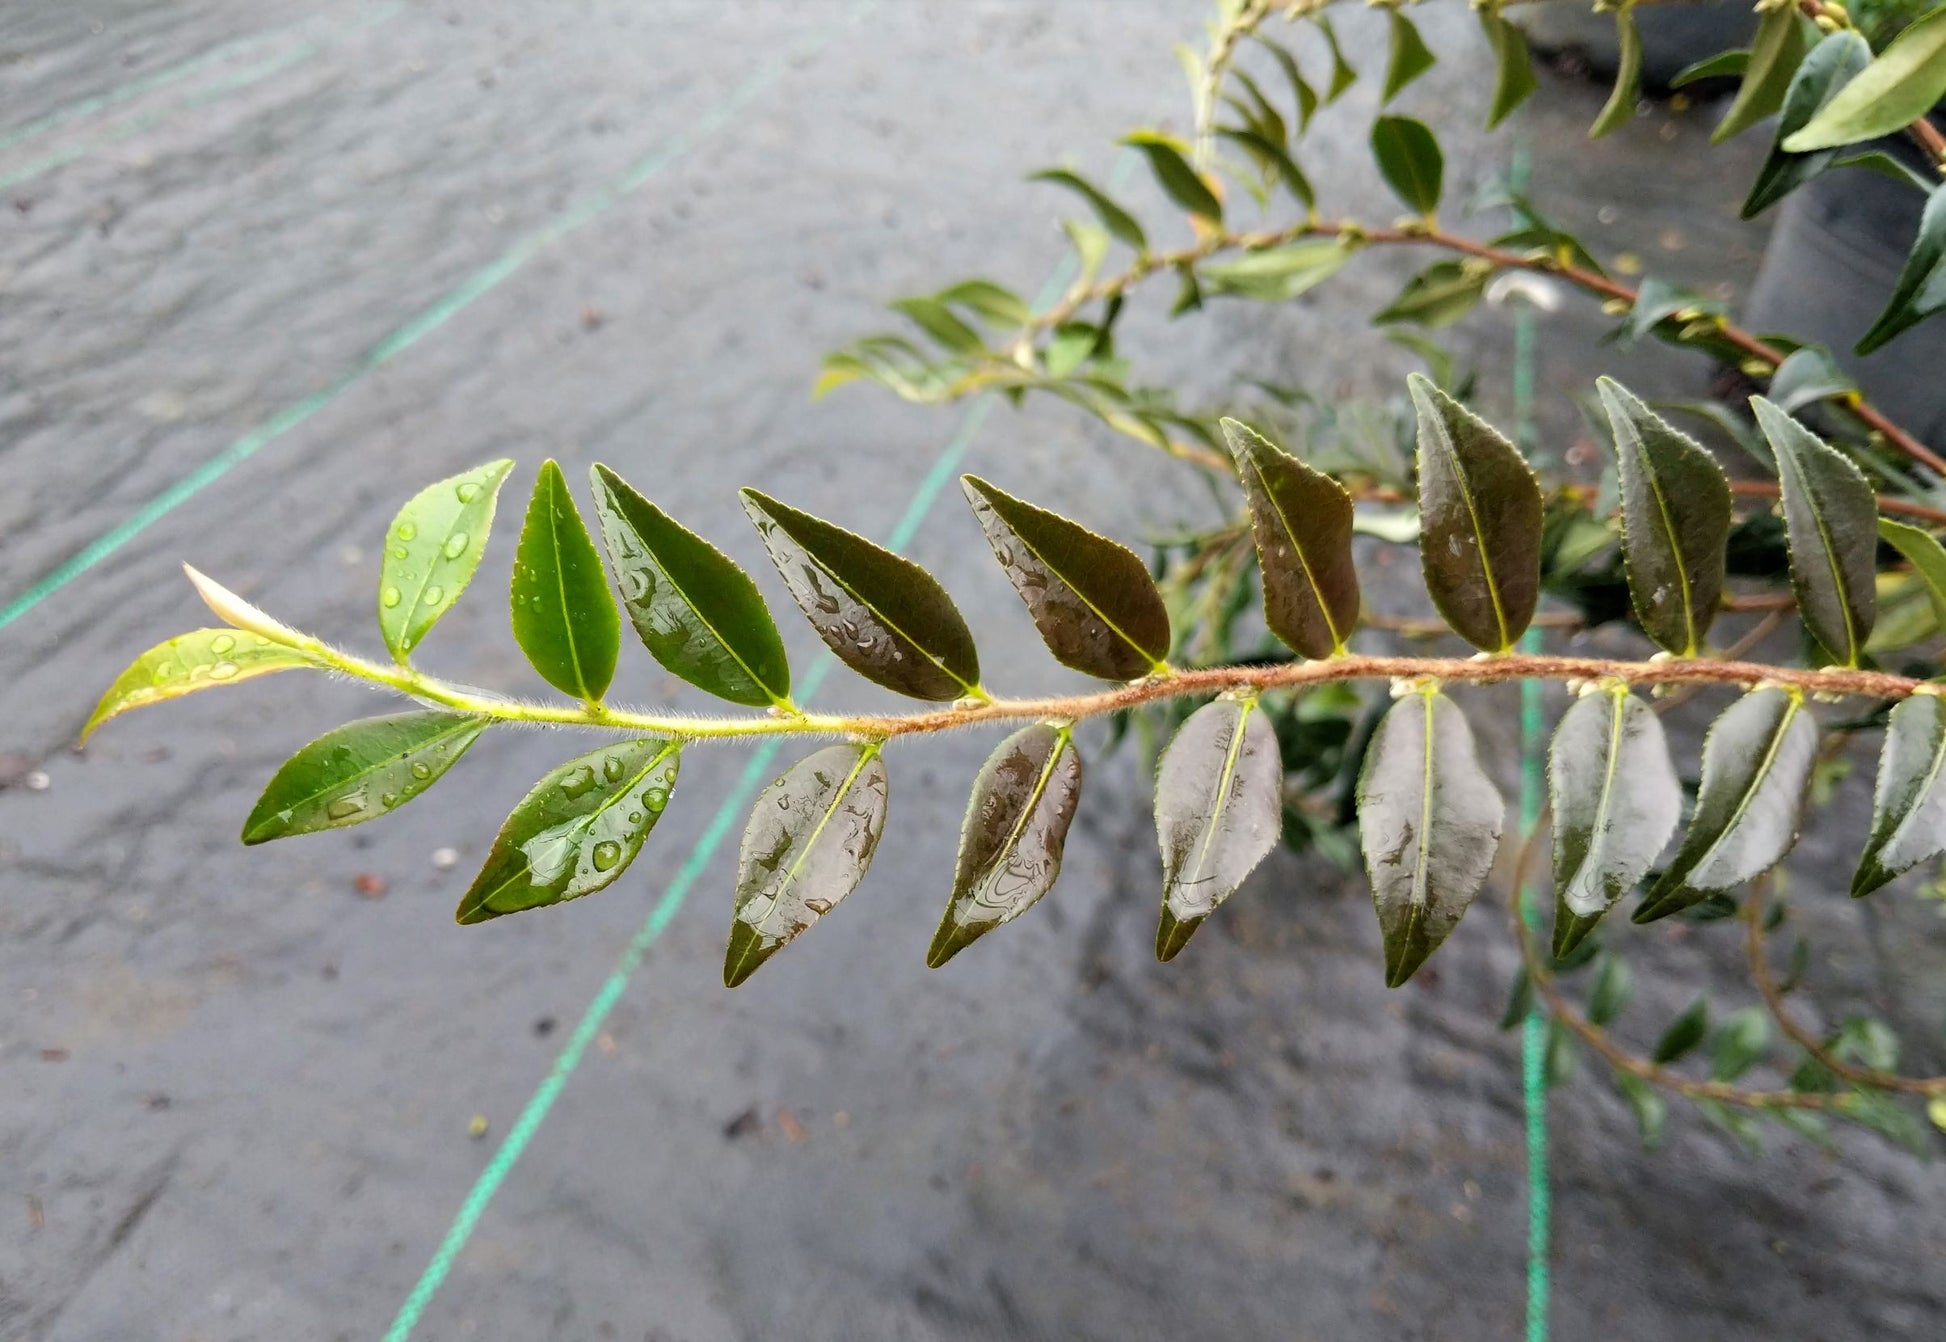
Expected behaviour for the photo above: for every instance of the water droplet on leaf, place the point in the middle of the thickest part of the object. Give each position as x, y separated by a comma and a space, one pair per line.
390, 597
607, 853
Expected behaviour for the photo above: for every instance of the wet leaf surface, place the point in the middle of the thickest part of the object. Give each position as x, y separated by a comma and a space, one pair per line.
1219, 808
1909, 800
697, 612
808, 844
1302, 521
1831, 518
564, 617
1010, 844
432, 550
576, 831
360, 771
199, 660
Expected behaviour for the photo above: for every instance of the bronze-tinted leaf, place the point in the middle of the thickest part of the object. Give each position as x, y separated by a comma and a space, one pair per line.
361, 771
1616, 800
1301, 519
1909, 802
1219, 806
1831, 520
1429, 824
809, 843
883, 615
1479, 522
1010, 845
1675, 522
1756, 762
1093, 600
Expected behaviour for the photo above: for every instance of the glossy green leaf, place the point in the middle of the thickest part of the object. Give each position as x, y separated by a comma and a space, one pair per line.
432, 551
1275, 159
1219, 807
1774, 56
1278, 274
809, 843
1901, 85
1675, 522
1118, 221
1807, 376
1342, 74
1920, 290
1756, 763
1428, 823
1437, 296
1723, 65
564, 617
1740, 1044
697, 612
883, 615
1909, 801
1616, 801
1685, 1032
1619, 110
360, 771
1302, 521
576, 831
1407, 56
1010, 844
1179, 181
1480, 522
1513, 66
1927, 557
941, 323
1829, 66
1093, 600
199, 660
1614, 982
1409, 160
1831, 518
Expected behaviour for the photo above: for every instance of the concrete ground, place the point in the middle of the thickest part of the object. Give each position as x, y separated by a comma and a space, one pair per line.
292, 261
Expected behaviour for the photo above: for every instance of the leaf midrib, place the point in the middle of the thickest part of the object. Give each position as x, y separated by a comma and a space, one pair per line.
1791, 709
1788, 460
1654, 482
1068, 582
476, 724
1224, 788
1918, 798
1297, 546
1598, 831
1019, 826
1479, 537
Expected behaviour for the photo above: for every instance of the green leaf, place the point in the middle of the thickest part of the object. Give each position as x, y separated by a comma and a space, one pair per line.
1651, 1110
1656, 301
1409, 160
1887, 1116
1740, 1043
1513, 78
1182, 183
1407, 58
1899, 87
1830, 65
1619, 110
199, 660
431, 552
1613, 984
1278, 274
563, 615
1920, 290
1118, 221
1437, 296
360, 771
809, 843
1909, 800
1520, 1000
1684, 1033
987, 300
1616, 801
1302, 521
1429, 824
576, 831
1479, 520
1774, 55
1831, 519
1885, 165
1342, 75
1276, 159
697, 612
1723, 65
939, 322
1010, 845
1807, 376
1675, 522
883, 615
1093, 600
1219, 806
1307, 97
1927, 557
1756, 763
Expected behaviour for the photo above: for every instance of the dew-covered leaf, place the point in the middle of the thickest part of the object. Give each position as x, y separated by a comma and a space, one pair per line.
1909, 801
1927, 557
564, 617
431, 553
1302, 521
1118, 221
1429, 824
1179, 181
808, 844
1616, 800
1092, 599
883, 615
1774, 56
1513, 78
576, 831
199, 660
1480, 522
1831, 519
1830, 65
1756, 763
1409, 160
697, 612
1675, 522
1900, 86
1407, 56
1219, 807
1619, 110
360, 771
1920, 290
1010, 844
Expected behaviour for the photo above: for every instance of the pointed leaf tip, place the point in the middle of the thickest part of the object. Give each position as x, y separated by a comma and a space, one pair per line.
360, 771
1301, 520
199, 660
432, 550
564, 618
1909, 799
1831, 523
1219, 807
